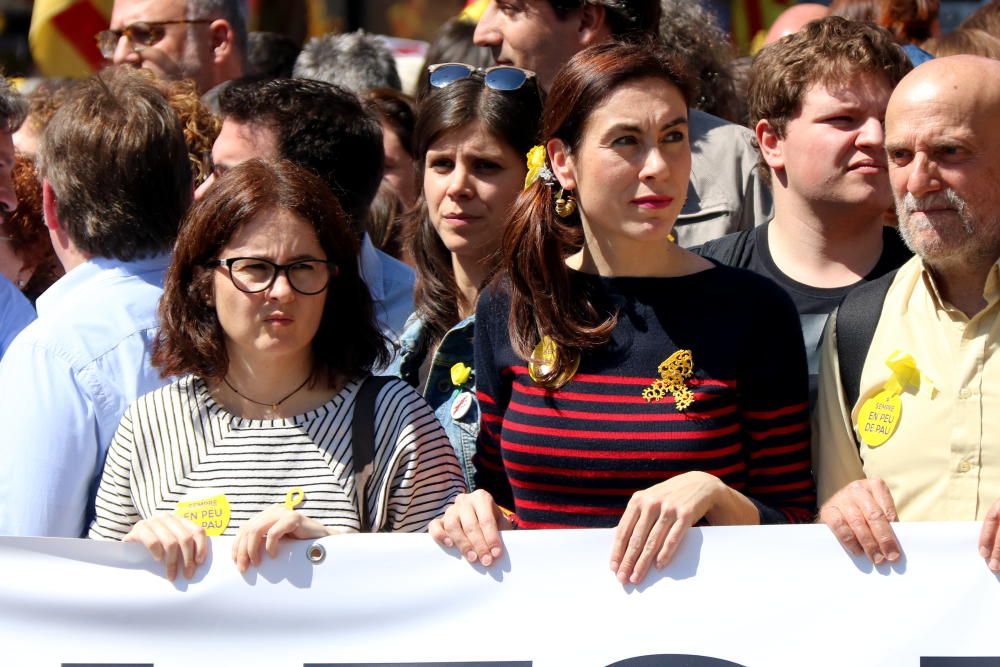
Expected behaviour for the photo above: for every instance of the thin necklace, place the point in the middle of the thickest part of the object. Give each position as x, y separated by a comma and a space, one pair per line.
275, 404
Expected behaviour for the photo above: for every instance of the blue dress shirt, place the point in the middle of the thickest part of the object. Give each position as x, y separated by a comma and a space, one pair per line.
65, 383
15, 313
916, 54
391, 285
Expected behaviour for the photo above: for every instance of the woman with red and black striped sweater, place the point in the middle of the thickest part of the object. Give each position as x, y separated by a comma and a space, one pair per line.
624, 381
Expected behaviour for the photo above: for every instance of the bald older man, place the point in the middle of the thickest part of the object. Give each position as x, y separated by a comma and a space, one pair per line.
794, 19
922, 439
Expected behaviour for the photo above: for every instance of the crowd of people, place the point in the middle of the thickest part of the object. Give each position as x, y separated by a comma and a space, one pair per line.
596, 273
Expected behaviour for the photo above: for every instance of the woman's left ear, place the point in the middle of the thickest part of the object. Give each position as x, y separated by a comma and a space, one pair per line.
562, 163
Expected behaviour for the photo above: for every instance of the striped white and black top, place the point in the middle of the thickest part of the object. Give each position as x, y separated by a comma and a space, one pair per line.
177, 444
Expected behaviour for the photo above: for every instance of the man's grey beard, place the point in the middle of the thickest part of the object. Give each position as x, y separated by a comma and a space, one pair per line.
982, 234
909, 204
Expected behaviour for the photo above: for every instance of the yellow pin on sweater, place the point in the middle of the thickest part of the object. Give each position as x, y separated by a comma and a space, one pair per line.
674, 373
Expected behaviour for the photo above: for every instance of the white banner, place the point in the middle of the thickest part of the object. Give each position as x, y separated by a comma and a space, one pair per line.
751, 597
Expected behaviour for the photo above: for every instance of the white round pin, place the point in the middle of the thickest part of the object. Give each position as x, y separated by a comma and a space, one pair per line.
461, 405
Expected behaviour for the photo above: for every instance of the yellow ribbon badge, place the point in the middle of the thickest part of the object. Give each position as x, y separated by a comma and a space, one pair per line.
294, 497
904, 373
879, 416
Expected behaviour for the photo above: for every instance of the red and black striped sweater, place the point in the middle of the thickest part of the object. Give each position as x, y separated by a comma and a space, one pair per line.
572, 457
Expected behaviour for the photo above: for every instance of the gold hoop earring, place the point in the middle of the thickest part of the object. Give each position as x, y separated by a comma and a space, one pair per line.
565, 204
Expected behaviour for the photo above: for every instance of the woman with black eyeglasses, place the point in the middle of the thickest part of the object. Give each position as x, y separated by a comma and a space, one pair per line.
265, 319
474, 129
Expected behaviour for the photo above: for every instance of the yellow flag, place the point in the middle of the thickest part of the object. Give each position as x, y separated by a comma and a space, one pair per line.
473, 11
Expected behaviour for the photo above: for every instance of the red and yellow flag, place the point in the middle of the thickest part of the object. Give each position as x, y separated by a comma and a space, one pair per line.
750, 17
62, 36
473, 10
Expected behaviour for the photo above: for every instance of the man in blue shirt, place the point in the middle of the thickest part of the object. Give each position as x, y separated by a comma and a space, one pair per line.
116, 181
15, 313
15, 310
325, 129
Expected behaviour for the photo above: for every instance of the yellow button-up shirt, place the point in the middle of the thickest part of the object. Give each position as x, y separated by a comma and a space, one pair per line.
943, 460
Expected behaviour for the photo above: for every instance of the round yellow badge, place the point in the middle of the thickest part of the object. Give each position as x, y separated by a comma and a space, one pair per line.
212, 514
879, 417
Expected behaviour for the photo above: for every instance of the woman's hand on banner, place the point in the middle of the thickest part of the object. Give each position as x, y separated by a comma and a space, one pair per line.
263, 532
173, 540
656, 520
472, 524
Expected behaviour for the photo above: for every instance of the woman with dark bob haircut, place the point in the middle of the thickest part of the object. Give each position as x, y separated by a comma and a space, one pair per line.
266, 319
623, 380
471, 142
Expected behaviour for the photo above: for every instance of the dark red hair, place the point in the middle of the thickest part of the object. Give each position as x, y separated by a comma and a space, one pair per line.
537, 241
191, 340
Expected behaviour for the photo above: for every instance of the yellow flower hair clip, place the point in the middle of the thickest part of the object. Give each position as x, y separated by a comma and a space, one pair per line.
537, 167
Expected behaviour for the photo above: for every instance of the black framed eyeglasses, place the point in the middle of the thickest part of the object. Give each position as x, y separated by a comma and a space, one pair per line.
141, 34
501, 77
256, 274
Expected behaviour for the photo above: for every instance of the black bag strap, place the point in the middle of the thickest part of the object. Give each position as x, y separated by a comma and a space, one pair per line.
857, 319
363, 440
738, 249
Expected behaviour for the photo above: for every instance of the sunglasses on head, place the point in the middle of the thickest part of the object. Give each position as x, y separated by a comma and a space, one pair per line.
501, 77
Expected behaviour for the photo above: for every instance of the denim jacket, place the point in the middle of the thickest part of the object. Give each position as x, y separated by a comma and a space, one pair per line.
440, 393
